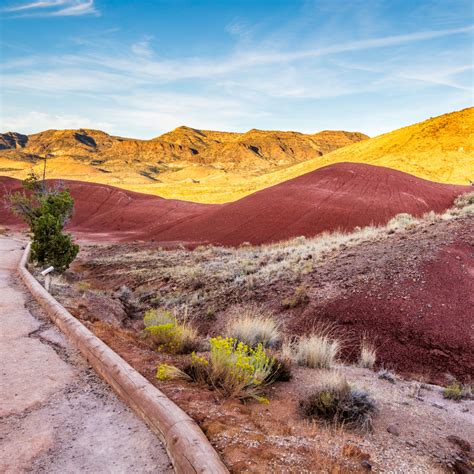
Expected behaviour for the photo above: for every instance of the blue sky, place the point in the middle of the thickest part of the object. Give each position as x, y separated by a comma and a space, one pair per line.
140, 68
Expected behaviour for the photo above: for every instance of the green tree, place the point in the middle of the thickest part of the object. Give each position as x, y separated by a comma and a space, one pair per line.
46, 210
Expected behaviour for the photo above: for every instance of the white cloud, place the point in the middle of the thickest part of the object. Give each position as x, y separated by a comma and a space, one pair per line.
34, 121
54, 8
35, 5
143, 48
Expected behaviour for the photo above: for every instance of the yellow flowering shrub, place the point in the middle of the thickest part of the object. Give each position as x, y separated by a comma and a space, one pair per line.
169, 334
157, 317
235, 368
169, 372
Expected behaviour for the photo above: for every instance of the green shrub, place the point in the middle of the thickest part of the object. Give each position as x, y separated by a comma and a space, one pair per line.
336, 402
46, 211
167, 333
233, 368
157, 317
50, 246
457, 391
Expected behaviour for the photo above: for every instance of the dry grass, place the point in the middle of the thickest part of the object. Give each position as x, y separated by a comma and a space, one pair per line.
209, 276
368, 354
253, 325
318, 350
385, 374
463, 206
401, 221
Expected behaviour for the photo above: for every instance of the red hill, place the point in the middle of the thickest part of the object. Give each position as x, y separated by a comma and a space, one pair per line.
340, 196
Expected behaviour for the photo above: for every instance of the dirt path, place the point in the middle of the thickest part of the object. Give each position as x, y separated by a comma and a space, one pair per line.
56, 415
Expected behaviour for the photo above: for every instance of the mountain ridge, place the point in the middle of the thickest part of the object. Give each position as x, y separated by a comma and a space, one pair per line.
218, 167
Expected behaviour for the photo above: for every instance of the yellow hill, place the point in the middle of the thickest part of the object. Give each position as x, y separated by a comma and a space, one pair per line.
439, 149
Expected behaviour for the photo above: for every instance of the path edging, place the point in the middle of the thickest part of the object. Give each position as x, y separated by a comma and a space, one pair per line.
187, 446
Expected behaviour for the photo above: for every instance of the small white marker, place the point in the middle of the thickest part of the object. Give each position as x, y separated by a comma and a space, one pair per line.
47, 281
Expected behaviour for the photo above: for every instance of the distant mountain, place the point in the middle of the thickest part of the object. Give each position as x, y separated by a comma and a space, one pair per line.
90, 154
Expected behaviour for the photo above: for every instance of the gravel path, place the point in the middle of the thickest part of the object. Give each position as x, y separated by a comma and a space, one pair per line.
56, 415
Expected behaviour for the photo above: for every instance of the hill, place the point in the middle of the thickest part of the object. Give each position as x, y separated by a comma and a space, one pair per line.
337, 197
439, 149
186, 163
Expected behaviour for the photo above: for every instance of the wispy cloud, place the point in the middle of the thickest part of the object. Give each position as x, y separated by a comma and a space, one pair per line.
54, 8
284, 79
143, 48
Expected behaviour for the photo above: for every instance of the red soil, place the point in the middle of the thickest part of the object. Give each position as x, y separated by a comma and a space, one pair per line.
340, 196
413, 295
117, 213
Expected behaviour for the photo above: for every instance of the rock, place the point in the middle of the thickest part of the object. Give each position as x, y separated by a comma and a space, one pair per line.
353, 451
366, 465
393, 429
95, 307
213, 427
462, 443
463, 466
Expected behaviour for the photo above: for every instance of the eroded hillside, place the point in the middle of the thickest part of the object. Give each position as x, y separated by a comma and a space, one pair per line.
176, 164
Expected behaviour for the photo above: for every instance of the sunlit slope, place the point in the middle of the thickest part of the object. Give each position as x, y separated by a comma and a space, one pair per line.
186, 163
439, 149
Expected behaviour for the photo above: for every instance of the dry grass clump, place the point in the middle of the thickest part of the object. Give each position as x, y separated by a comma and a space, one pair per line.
233, 368
336, 402
298, 298
167, 333
170, 372
401, 221
463, 206
368, 355
464, 200
314, 351
387, 375
458, 391
253, 325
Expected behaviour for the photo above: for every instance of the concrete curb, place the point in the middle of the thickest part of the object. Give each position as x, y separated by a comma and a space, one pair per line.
187, 446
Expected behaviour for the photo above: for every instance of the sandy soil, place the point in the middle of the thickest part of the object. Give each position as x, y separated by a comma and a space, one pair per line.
56, 415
